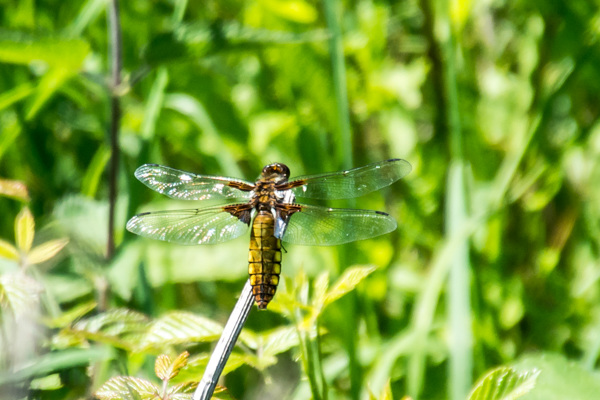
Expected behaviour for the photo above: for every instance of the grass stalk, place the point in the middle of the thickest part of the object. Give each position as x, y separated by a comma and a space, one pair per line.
343, 144
115, 118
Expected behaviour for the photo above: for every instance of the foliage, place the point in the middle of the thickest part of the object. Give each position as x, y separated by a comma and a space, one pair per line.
495, 105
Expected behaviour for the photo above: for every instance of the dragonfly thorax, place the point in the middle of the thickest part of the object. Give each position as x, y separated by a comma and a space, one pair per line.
276, 172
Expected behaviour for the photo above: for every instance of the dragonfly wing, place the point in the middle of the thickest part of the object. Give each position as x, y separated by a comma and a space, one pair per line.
322, 226
196, 226
352, 183
187, 186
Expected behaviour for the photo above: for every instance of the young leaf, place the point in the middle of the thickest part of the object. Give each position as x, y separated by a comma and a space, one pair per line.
504, 383
9, 187
127, 388
221, 393
161, 367
166, 369
24, 230
46, 251
347, 282
8, 251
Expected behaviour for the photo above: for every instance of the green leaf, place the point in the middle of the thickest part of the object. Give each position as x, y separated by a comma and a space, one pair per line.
197, 364
182, 391
24, 230
559, 378
91, 180
280, 340
89, 12
119, 327
10, 129
292, 10
18, 292
50, 83
178, 328
62, 56
127, 387
347, 282
504, 383
9, 251
166, 369
57, 361
10, 97
22, 48
46, 251
68, 317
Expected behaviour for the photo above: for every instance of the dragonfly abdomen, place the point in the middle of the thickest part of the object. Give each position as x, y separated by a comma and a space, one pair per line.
264, 258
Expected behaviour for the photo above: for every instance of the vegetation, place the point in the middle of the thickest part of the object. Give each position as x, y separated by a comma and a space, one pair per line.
494, 266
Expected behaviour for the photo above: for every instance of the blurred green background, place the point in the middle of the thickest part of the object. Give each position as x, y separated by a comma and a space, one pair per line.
494, 103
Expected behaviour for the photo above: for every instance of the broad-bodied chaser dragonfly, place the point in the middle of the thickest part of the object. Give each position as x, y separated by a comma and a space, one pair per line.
270, 206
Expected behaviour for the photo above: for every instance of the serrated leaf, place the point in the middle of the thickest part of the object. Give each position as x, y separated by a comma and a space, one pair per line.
504, 383
559, 378
166, 369
161, 366
182, 391
197, 365
127, 388
120, 327
280, 340
46, 251
9, 187
178, 363
179, 328
19, 292
115, 322
9, 251
24, 230
347, 282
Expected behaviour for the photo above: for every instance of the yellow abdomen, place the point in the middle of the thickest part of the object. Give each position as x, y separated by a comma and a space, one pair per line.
264, 259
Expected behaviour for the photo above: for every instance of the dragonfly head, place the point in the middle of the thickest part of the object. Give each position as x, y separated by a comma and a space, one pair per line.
276, 172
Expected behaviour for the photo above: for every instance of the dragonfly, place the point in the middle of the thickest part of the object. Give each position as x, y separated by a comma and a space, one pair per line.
267, 207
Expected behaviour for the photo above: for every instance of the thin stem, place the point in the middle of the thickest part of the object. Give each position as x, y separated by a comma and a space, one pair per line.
344, 142
115, 117
225, 345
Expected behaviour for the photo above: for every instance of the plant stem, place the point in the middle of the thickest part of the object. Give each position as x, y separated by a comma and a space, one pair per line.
115, 117
343, 146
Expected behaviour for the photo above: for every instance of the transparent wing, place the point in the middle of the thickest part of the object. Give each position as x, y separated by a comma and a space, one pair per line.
187, 186
200, 226
322, 226
352, 183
